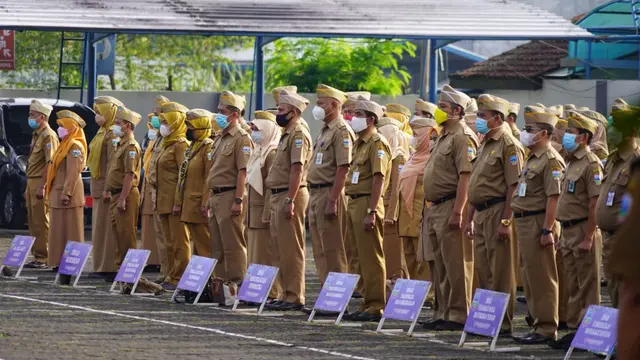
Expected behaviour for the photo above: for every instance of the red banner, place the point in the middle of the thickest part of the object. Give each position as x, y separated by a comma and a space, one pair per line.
7, 50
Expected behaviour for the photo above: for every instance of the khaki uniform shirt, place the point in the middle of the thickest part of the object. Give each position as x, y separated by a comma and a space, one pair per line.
614, 186
68, 180
195, 192
125, 160
541, 178
258, 215
581, 182
497, 166
230, 154
451, 156
371, 155
168, 167
332, 149
294, 148
391, 196
152, 175
43, 144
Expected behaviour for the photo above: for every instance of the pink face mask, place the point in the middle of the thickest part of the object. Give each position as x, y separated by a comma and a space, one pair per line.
62, 132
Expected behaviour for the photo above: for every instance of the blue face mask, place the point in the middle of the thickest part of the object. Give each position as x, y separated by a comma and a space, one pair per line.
610, 120
569, 142
155, 122
222, 121
481, 126
33, 123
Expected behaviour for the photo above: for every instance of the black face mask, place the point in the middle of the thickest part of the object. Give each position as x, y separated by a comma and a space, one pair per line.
283, 120
190, 135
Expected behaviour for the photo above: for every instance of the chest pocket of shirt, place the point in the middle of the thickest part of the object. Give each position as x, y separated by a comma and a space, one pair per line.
227, 149
572, 182
445, 149
622, 179
491, 163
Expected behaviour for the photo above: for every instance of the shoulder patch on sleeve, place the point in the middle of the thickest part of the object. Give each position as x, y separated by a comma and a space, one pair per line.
48, 146
75, 153
298, 141
513, 158
556, 172
597, 178
380, 153
246, 149
132, 154
346, 141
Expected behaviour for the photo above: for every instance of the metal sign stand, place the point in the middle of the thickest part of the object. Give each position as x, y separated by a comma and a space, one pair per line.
492, 346
135, 284
17, 275
413, 324
341, 314
75, 281
264, 301
195, 302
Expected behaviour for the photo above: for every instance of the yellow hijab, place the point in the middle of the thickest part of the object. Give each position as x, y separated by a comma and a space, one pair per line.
178, 126
76, 134
202, 126
108, 110
403, 119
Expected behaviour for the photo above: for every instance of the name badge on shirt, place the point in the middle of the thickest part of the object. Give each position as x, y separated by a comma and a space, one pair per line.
355, 177
522, 190
610, 196
571, 188
319, 158
115, 141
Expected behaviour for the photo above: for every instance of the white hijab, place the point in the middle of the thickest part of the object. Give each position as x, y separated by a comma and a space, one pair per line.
270, 138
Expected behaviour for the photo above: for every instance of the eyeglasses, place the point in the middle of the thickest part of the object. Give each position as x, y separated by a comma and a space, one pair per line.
530, 129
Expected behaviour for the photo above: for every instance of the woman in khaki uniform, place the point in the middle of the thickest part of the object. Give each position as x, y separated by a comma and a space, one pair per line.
64, 186
174, 144
146, 208
192, 187
393, 253
101, 149
261, 247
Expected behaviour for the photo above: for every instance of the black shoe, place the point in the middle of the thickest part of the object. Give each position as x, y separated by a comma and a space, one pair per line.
604, 282
505, 333
366, 317
152, 268
319, 313
356, 295
562, 325
432, 325
450, 326
521, 299
109, 276
287, 306
533, 339
273, 305
564, 343
168, 286
529, 319
35, 265
55, 269
96, 275
350, 316
7, 272
64, 280
428, 305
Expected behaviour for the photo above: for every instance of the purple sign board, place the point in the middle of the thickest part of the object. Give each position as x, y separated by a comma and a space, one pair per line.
406, 300
336, 292
598, 330
132, 266
257, 283
74, 257
486, 312
18, 251
197, 273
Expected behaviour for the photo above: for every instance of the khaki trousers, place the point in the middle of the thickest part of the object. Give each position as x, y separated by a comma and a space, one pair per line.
66, 224
165, 248
371, 253
327, 235
395, 263
613, 282
103, 238
453, 256
124, 224
227, 234
178, 247
563, 296
149, 239
262, 251
201, 238
582, 270
493, 258
290, 243
38, 220
417, 269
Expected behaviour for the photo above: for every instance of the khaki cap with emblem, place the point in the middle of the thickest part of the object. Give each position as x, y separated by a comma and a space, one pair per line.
557, 110
421, 122
352, 97
535, 114
68, 114
454, 96
293, 99
128, 115
107, 100
472, 108
595, 116
397, 108
425, 106
264, 115
40, 107
199, 113
370, 106
325, 91
579, 121
174, 107
619, 105
161, 100
514, 108
291, 89
227, 98
567, 108
493, 103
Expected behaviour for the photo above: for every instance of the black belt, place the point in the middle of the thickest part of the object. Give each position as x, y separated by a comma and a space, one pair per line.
278, 191
319, 186
570, 223
489, 203
443, 199
115, 191
221, 190
521, 214
357, 196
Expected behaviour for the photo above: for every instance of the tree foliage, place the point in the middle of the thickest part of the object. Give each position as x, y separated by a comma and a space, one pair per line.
349, 65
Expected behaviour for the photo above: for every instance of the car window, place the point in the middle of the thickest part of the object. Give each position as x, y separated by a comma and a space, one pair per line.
17, 128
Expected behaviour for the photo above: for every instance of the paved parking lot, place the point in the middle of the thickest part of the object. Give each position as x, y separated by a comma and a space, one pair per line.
39, 320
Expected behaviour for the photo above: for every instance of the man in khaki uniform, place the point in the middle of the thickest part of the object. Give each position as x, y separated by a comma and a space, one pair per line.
291, 89
514, 109
492, 183
614, 185
581, 239
327, 176
121, 188
227, 185
367, 180
445, 184
534, 205
287, 182
349, 107
44, 143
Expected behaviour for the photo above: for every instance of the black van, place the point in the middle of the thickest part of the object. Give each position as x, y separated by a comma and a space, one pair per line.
15, 141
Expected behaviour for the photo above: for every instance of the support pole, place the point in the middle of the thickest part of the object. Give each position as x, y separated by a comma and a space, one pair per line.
424, 68
587, 63
259, 74
433, 72
92, 70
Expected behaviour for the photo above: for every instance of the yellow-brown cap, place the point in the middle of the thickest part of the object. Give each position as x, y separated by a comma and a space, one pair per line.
325, 91
562, 124
472, 108
227, 98
595, 116
557, 110
540, 115
454, 96
421, 122
293, 99
107, 100
68, 114
161, 100
493, 103
579, 121
199, 113
425, 106
514, 108
40, 107
291, 89
128, 115
174, 107
397, 108
370, 106
353, 96
619, 104
264, 115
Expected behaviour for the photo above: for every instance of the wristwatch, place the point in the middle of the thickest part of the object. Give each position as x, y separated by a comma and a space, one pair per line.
506, 222
288, 200
238, 200
371, 211
546, 232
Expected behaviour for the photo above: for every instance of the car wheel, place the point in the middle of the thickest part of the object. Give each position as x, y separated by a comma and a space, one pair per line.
13, 215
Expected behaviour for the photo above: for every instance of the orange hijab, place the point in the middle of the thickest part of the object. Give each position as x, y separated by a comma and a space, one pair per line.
76, 134
413, 168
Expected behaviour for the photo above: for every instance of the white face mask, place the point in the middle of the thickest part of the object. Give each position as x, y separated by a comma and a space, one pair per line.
256, 136
152, 134
358, 124
527, 139
318, 113
165, 130
413, 142
117, 130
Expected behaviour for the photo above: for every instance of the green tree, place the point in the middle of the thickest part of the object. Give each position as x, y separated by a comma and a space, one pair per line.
349, 65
